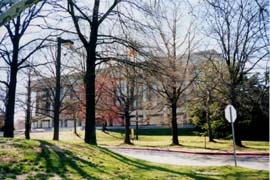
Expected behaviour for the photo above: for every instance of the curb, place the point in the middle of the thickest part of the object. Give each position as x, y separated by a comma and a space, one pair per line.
200, 152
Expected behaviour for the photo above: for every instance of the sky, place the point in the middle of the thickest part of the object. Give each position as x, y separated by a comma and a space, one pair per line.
204, 42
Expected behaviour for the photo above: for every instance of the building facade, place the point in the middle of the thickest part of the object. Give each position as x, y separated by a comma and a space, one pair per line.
115, 85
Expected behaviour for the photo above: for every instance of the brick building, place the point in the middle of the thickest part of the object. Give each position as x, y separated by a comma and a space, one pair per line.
148, 106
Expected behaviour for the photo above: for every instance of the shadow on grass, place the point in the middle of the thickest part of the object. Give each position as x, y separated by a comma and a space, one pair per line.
58, 161
143, 166
235, 172
160, 131
114, 136
49, 161
78, 135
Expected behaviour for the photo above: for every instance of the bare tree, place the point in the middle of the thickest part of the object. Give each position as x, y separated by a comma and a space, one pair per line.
88, 19
122, 87
172, 55
13, 52
239, 28
46, 76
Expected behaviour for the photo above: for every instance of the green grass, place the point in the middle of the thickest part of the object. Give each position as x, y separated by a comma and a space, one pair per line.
187, 140
162, 131
45, 159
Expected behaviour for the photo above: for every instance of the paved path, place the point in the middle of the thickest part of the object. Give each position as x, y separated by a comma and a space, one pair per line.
194, 159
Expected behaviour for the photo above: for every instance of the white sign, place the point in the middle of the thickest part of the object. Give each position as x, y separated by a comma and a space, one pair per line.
230, 113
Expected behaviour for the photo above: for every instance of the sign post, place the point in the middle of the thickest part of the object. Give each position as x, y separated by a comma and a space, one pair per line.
230, 115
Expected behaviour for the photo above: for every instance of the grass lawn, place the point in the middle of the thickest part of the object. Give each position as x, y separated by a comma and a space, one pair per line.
186, 139
73, 159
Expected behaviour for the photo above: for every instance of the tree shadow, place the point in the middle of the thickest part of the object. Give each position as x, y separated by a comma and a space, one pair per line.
53, 162
114, 136
78, 135
58, 161
148, 167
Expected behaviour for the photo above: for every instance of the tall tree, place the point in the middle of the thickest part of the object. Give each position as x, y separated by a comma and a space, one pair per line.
57, 102
173, 47
92, 19
11, 51
239, 27
254, 104
125, 92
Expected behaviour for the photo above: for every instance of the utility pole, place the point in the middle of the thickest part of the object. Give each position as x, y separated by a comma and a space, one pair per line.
57, 96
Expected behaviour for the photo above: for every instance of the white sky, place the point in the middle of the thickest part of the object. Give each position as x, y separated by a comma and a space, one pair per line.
187, 17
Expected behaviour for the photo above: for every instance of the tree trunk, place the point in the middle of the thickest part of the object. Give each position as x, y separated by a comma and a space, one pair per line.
28, 109
174, 125
237, 132
238, 140
127, 130
75, 125
10, 106
210, 136
90, 78
90, 123
57, 95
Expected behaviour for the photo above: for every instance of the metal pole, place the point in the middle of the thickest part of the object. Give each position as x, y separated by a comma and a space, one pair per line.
234, 152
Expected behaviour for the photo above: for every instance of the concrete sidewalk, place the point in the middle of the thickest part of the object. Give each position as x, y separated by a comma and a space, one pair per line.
197, 157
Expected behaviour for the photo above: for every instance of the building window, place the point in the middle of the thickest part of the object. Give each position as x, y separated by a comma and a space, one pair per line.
122, 86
